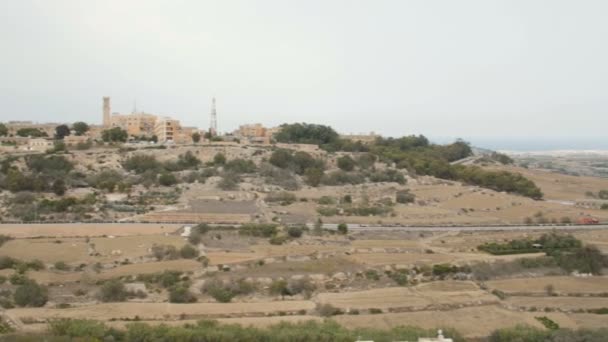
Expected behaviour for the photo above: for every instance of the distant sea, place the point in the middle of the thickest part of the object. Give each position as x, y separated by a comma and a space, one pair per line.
533, 144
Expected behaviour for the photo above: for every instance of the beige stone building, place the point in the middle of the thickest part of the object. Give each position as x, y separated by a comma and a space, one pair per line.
73, 140
40, 144
255, 133
145, 124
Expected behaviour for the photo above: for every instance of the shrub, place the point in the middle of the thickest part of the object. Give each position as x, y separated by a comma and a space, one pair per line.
239, 166
140, 163
278, 240
547, 322
389, 175
327, 200
258, 229
229, 181
165, 252
328, 310
113, 291
278, 287
181, 294
167, 179
346, 163
78, 328
500, 294
219, 159
283, 197
4, 239
61, 266
115, 134
342, 228
400, 277
405, 196
372, 275
224, 292
295, 232
188, 252
30, 294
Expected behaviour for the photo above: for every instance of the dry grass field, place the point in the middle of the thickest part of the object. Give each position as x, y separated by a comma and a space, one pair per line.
562, 284
559, 303
449, 294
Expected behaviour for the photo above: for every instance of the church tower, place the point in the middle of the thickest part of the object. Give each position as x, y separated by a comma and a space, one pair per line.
106, 111
213, 123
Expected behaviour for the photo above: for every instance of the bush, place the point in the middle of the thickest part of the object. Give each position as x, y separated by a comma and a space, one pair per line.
188, 252
229, 181
405, 196
4, 239
327, 200
346, 163
224, 292
389, 175
239, 166
328, 310
167, 179
547, 322
295, 232
400, 277
78, 328
181, 294
342, 228
258, 229
140, 163
61, 266
219, 159
283, 197
165, 252
113, 291
30, 294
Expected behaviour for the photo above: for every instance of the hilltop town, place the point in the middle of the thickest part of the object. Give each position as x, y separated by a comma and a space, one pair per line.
143, 219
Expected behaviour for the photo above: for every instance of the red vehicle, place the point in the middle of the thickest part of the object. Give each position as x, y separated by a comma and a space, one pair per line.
588, 220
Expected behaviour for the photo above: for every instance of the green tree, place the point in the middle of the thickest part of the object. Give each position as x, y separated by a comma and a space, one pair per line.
115, 134
342, 228
80, 127
346, 163
303, 133
31, 132
196, 137
3, 130
30, 294
62, 131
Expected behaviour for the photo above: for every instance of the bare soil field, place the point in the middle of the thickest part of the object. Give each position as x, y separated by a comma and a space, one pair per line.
558, 303
562, 284
48, 277
471, 322
164, 311
75, 250
85, 229
410, 298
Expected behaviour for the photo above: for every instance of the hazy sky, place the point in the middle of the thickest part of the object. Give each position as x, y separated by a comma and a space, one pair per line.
472, 69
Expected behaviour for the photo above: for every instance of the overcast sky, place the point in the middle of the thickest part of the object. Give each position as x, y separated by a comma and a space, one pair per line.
471, 69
